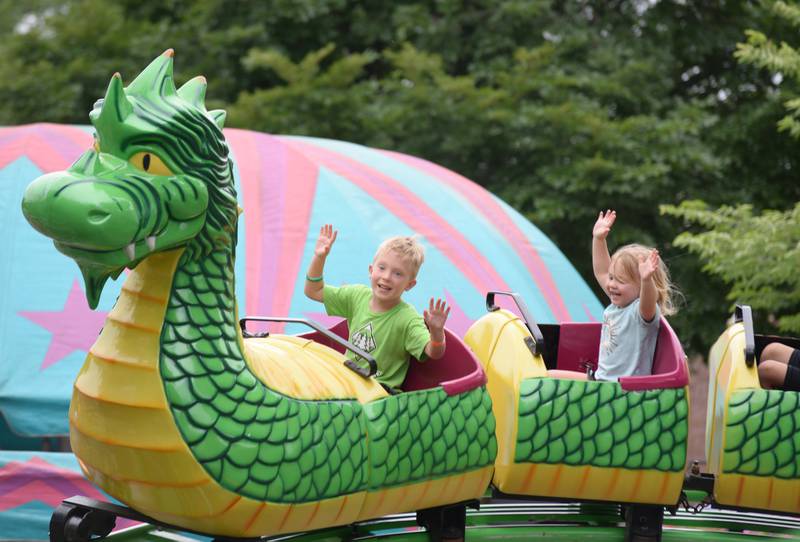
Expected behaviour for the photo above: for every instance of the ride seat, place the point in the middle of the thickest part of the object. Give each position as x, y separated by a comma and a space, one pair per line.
457, 371
579, 344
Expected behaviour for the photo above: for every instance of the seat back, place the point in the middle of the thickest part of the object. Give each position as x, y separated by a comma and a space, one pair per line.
579, 345
670, 369
457, 371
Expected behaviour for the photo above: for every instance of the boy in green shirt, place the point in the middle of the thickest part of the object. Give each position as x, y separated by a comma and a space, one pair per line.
380, 322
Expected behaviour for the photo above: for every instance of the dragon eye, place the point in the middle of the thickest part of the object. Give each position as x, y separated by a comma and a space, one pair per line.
150, 163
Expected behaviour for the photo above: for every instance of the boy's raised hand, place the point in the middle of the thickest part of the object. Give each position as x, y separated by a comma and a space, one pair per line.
436, 314
603, 225
648, 264
327, 235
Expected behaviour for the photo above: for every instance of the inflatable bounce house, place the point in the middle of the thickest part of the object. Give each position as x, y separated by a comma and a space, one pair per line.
190, 413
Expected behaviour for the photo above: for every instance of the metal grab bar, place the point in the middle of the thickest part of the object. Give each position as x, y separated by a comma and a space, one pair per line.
538, 345
350, 364
744, 314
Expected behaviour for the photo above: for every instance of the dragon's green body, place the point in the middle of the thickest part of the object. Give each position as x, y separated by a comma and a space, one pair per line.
156, 194
177, 415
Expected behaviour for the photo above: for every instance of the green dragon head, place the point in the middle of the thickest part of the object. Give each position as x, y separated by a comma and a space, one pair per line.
157, 177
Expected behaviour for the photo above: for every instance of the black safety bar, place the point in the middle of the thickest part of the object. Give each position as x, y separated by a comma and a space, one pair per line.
538, 345
350, 364
744, 314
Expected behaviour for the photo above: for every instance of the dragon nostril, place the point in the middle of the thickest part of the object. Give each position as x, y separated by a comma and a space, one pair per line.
96, 216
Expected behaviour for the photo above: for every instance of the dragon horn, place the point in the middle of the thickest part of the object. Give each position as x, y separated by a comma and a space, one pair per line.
155, 78
219, 117
115, 106
194, 92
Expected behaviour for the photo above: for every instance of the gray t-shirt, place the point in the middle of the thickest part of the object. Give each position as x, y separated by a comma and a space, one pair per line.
627, 342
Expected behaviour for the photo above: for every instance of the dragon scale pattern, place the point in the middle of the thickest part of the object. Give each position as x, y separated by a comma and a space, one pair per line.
762, 435
574, 422
253, 440
261, 444
419, 435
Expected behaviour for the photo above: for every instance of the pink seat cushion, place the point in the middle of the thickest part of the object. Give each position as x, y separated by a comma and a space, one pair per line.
457, 371
579, 344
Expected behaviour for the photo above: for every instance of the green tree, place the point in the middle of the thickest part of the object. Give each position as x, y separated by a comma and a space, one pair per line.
592, 110
560, 108
757, 254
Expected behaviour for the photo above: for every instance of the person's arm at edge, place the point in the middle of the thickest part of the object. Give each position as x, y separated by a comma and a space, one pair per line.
435, 316
601, 259
648, 295
314, 289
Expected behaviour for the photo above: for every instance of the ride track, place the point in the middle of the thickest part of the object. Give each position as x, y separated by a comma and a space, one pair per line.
182, 415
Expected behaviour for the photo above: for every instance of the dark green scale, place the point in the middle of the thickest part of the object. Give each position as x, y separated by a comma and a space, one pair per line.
253, 440
262, 444
581, 423
429, 434
762, 434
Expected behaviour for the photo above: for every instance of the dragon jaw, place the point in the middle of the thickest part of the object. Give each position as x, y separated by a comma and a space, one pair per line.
148, 184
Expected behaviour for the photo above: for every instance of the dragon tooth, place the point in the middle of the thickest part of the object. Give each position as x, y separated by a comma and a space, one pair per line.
151, 242
130, 251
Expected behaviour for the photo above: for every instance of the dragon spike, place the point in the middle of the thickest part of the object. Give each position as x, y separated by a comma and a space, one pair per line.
115, 106
218, 115
194, 92
156, 79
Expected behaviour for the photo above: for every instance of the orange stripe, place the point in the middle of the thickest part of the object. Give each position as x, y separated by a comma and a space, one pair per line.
526, 484
142, 482
254, 516
584, 479
314, 513
110, 402
74, 425
769, 498
400, 496
381, 497
116, 361
118, 403
284, 518
614, 479
425, 487
135, 293
236, 499
131, 325
740, 490
341, 509
636, 484
556, 478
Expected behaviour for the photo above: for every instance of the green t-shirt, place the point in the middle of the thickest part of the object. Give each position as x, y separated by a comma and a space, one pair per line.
391, 337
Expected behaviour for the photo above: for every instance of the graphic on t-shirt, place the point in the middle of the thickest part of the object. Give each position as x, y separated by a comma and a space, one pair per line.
612, 338
364, 339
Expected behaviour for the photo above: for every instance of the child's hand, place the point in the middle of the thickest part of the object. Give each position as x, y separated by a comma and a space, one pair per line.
603, 225
648, 265
327, 235
436, 314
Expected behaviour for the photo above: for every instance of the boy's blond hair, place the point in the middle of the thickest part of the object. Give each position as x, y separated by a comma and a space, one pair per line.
407, 246
626, 261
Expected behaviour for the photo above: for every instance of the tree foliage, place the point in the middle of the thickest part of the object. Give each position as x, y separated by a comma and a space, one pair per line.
757, 254
560, 108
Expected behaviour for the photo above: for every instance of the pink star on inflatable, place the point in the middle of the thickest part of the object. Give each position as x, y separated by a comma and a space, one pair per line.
75, 327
